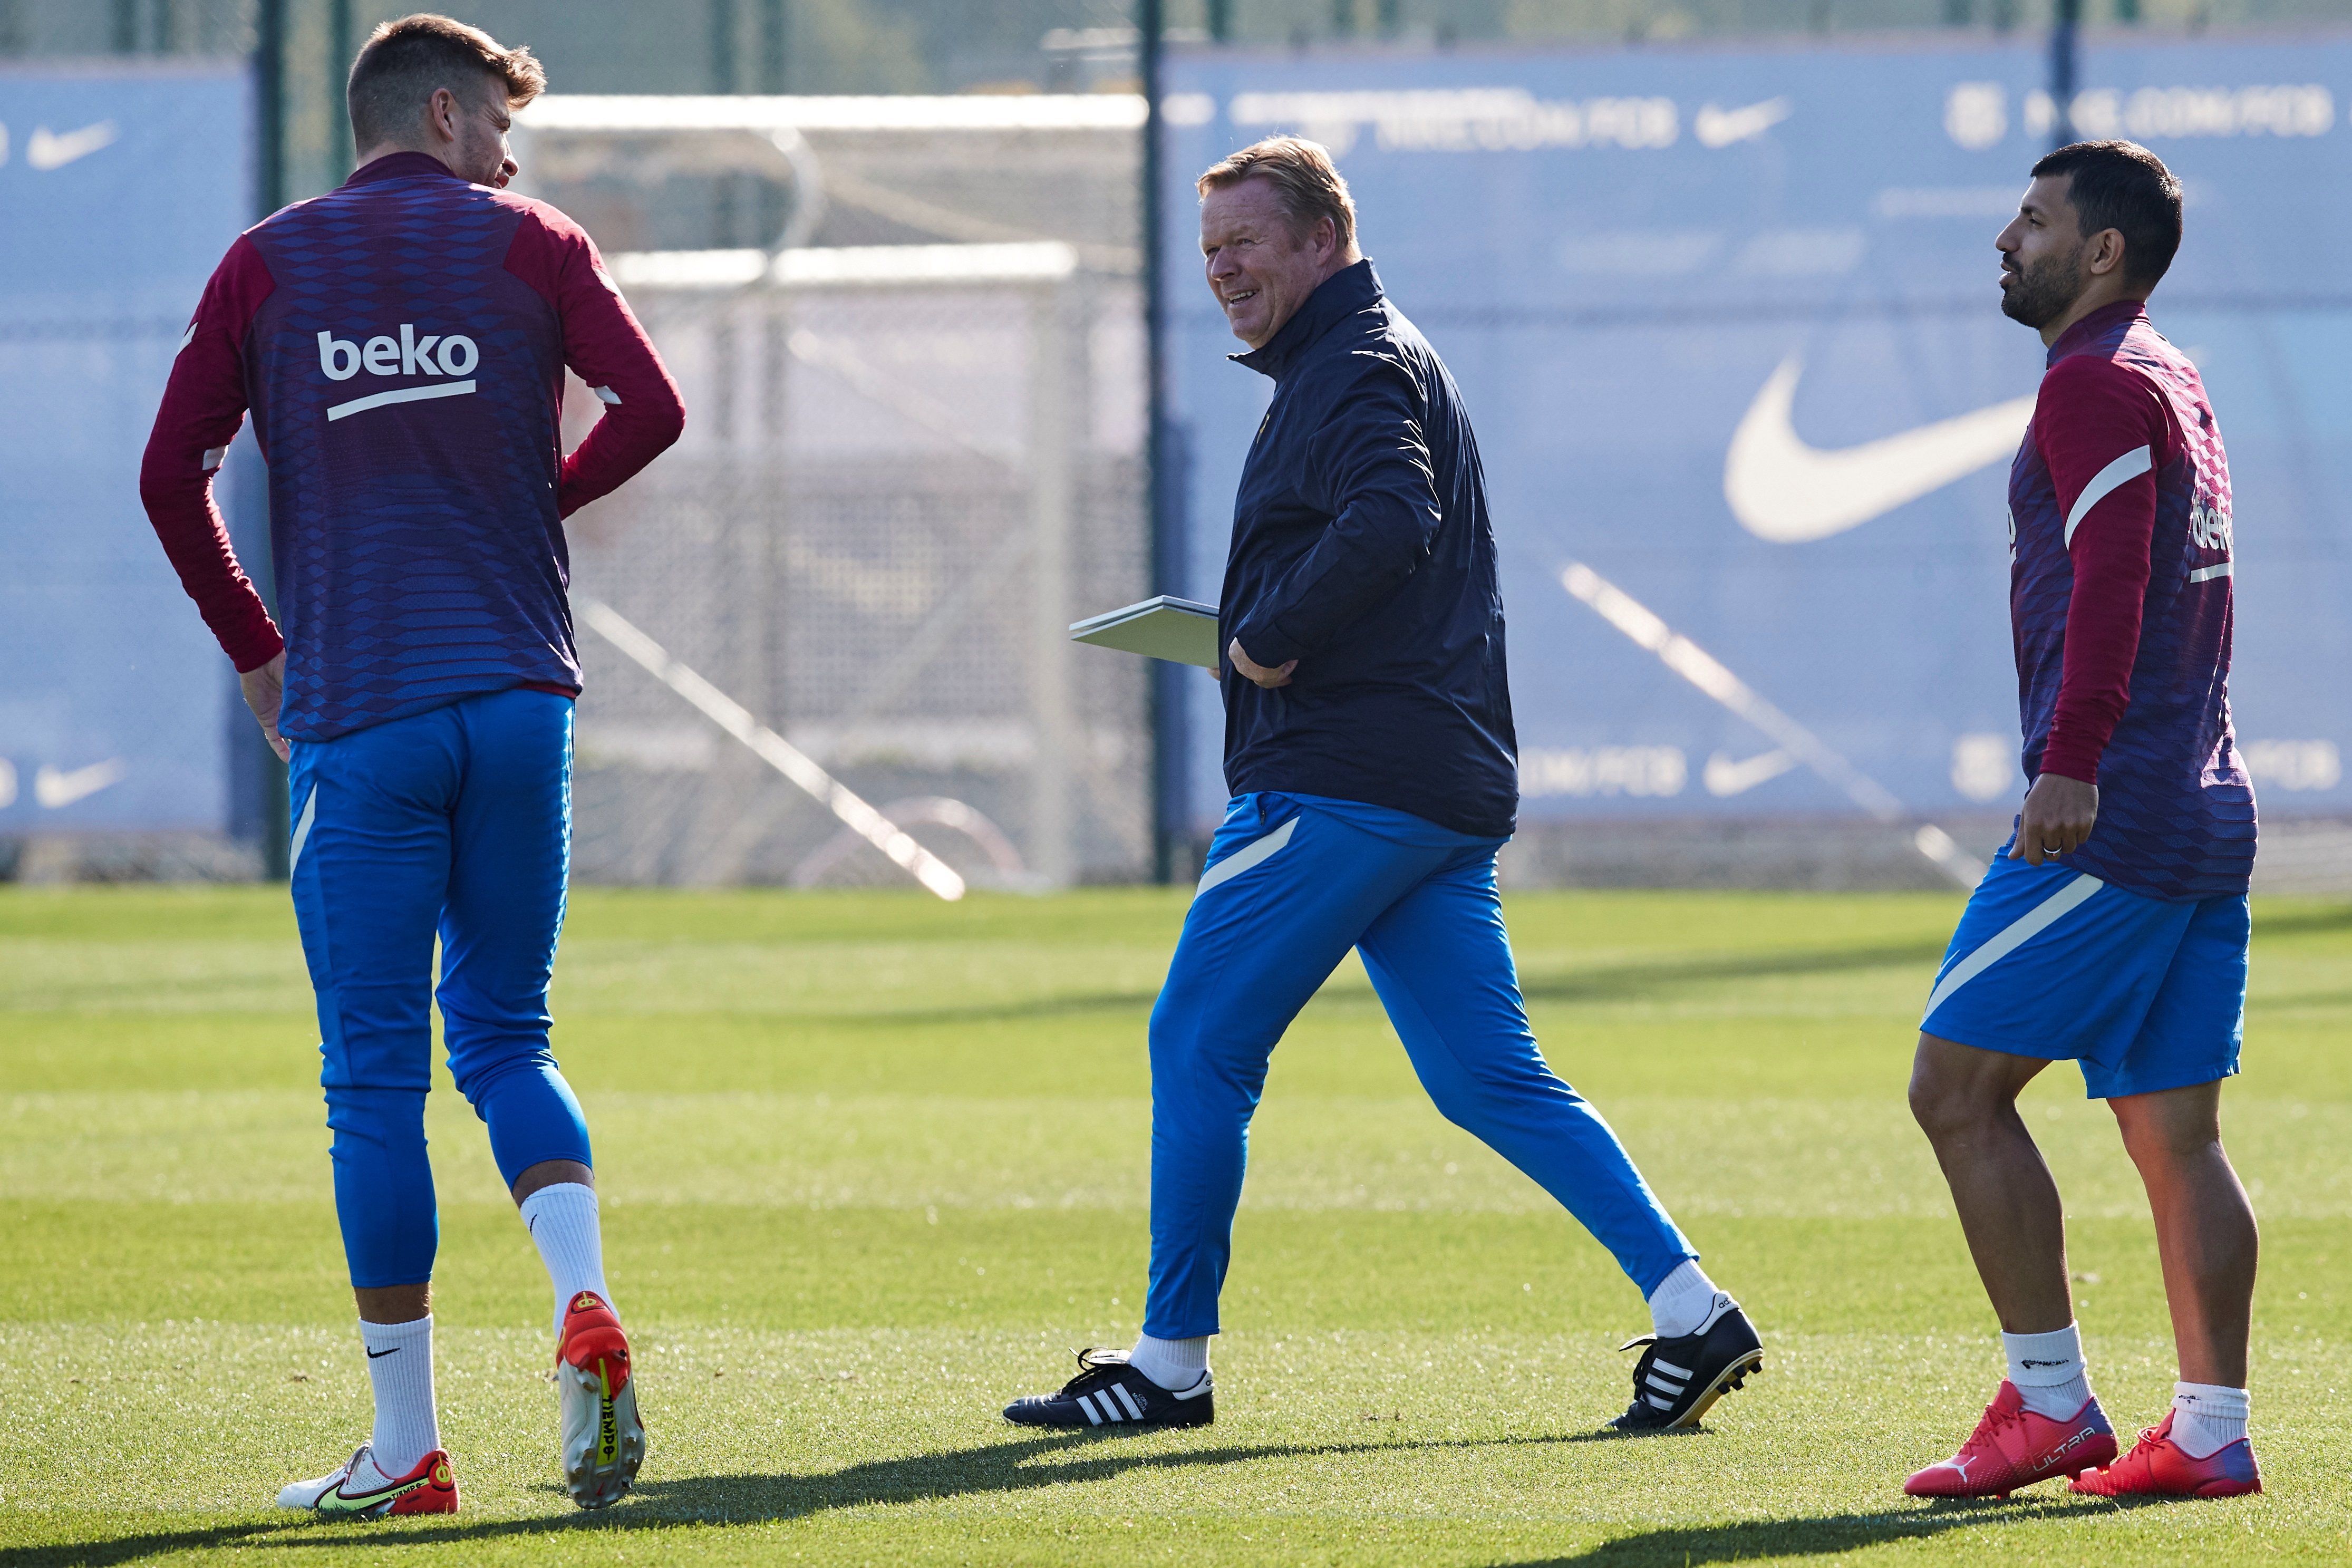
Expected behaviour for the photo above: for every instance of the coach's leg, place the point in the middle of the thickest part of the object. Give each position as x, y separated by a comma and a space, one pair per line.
509, 867
1283, 899
1441, 960
369, 862
1965, 1099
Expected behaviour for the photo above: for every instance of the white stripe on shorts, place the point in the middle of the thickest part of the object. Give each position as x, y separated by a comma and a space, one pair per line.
303, 830
2007, 940
1241, 860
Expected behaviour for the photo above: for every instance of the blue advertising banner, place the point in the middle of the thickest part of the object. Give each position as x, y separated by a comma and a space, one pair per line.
1728, 322
120, 189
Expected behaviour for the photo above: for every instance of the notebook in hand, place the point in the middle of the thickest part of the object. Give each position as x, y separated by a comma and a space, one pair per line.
1175, 629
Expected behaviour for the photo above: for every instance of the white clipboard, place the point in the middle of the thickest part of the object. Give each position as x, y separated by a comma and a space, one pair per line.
1177, 630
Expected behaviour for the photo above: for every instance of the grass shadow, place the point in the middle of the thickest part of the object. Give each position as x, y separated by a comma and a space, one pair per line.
1022, 1465
1620, 982
1764, 1539
1635, 981
132, 1548
2270, 921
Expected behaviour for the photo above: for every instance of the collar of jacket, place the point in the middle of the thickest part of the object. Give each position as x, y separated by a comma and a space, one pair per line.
2093, 325
399, 166
1338, 297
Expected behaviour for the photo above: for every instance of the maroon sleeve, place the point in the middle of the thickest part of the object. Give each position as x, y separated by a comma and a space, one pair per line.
2102, 431
203, 407
607, 349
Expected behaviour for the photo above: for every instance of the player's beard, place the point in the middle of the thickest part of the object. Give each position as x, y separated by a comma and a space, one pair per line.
2044, 291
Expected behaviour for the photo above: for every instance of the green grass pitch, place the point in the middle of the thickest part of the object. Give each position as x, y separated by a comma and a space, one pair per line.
872, 1164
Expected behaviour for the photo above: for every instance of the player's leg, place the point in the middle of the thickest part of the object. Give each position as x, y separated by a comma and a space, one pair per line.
2046, 964
512, 832
2205, 1230
1965, 1100
1286, 892
369, 861
1441, 960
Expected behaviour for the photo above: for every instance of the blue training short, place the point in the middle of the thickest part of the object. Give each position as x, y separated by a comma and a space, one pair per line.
2049, 962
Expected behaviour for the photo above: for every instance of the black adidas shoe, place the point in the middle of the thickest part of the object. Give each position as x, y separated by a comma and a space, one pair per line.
1110, 1392
1678, 1380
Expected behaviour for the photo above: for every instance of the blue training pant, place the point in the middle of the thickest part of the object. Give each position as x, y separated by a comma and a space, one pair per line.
455, 822
1291, 885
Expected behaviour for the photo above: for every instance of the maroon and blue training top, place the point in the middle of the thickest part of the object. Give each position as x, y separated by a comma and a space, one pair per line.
401, 343
2121, 603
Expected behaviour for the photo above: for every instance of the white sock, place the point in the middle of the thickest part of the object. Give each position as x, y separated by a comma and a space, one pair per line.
400, 1368
562, 1221
2048, 1371
1173, 1364
2207, 1417
1685, 1302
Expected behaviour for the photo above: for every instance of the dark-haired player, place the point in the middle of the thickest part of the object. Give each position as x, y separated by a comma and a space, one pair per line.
2113, 932
401, 343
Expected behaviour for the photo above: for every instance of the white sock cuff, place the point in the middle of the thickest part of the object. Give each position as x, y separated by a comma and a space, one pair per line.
563, 1201
384, 1337
1681, 1301
1173, 1364
1181, 1355
2046, 1360
2214, 1399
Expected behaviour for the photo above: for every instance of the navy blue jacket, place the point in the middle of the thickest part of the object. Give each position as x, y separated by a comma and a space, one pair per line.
1361, 549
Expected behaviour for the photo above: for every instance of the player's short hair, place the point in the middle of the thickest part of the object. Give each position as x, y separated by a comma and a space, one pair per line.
2123, 186
404, 62
1306, 182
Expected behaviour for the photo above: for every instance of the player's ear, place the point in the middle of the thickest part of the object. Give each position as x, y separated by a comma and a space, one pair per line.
2108, 252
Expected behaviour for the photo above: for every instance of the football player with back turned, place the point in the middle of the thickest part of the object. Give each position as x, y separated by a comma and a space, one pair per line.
401, 343
2113, 931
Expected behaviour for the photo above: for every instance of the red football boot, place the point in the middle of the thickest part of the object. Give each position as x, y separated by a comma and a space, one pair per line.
358, 1489
604, 1438
2014, 1447
2155, 1466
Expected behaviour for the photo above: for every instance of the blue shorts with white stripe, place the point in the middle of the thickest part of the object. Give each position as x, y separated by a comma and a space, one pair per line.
2049, 962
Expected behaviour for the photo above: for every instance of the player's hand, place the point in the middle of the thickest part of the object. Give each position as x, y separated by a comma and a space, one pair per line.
265, 688
1258, 673
2058, 814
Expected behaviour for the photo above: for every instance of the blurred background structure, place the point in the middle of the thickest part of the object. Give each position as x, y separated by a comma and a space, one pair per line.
898, 254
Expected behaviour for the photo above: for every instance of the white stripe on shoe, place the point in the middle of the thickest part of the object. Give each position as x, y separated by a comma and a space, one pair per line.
1241, 860
2012, 937
1133, 1409
1086, 1404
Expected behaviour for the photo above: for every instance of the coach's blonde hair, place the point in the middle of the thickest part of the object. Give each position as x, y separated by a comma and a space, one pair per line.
1307, 183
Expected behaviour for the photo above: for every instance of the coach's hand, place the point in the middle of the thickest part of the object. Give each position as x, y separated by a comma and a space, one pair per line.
1252, 670
2058, 814
265, 688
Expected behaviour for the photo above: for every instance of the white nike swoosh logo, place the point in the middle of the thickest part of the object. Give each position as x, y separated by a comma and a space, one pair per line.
1782, 490
1724, 777
54, 787
1722, 127
48, 150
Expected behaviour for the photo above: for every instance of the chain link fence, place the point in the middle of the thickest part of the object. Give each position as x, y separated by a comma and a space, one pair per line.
913, 455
